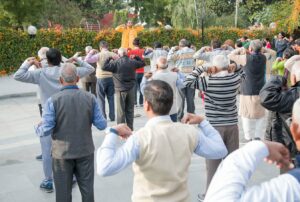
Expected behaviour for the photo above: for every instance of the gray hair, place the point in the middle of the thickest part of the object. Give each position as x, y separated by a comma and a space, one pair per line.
220, 61
69, 73
162, 62
122, 52
42, 53
183, 43
88, 49
296, 112
256, 45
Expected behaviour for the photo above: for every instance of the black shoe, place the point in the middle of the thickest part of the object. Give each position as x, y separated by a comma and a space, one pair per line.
200, 197
39, 157
256, 138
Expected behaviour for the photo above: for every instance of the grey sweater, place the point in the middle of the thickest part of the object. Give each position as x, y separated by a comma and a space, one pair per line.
47, 78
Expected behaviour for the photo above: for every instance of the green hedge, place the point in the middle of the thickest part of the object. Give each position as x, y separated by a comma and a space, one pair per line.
16, 46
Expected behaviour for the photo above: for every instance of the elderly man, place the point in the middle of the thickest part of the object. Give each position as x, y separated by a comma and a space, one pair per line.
123, 70
105, 84
89, 81
129, 33
154, 54
161, 151
175, 80
182, 56
207, 53
220, 89
47, 79
72, 142
251, 111
230, 181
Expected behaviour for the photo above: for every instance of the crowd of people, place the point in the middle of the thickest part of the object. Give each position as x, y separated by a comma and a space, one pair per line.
249, 72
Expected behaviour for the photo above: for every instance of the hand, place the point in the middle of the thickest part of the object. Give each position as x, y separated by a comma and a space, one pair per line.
93, 51
207, 48
72, 60
148, 75
212, 70
232, 68
123, 130
175, 48
30, 60
278, 155
278, 59
76, 54
115, 50
175, 69
192, 119
132, 56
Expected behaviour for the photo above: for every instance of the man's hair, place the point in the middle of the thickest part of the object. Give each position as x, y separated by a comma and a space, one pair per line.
296, 112
162, 62
282, 34
68, 73
245, 37
103, 44
215, 43
159, 95
122, 52
53, 56
136, 42
256, 45
239, 44
157, 44
288, 53
183, 43
42, 52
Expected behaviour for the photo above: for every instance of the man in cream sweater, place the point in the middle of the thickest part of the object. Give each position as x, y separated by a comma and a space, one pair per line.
160, 151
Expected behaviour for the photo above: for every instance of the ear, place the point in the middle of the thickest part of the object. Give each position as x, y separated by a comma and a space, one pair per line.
295, 130
147, 107
77, 79
61, 80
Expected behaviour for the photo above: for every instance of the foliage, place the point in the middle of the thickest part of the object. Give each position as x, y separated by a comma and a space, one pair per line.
120, 17
16, 46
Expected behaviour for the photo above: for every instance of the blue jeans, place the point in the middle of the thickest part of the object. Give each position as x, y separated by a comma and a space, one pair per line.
105, 87
46, 144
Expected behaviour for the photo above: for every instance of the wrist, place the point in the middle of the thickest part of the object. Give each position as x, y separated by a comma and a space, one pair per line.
111, 130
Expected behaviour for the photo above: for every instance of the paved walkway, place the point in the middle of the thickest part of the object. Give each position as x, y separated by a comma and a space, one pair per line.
21, 174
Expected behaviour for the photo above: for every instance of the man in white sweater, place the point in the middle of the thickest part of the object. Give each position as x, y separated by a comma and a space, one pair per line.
230, 181
160, 151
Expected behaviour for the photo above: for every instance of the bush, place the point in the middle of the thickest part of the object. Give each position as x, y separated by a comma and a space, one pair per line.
16, 46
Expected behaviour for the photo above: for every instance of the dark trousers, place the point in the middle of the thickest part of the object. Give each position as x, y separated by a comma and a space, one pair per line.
187, 94
125, 107
230, 136
139, 99
89, 87
63, 170
105, 87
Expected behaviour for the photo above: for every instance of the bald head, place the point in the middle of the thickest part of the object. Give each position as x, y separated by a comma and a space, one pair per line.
162, 62
122, 52
68, 74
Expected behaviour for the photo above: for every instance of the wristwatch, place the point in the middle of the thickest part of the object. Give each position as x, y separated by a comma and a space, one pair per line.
111, 130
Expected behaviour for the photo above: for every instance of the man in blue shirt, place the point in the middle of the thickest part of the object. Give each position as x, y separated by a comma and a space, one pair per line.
68, 117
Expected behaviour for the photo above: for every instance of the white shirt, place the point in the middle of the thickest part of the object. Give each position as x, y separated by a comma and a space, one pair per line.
232, 176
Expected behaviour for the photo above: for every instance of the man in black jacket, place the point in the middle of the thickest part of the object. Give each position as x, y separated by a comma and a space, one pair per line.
123, 70
277, 98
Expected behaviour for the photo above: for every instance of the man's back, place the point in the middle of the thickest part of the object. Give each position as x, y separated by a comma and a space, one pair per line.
72, 135
162, 168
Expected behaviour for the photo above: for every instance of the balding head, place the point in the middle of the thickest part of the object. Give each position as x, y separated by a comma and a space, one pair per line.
255, 46
162, 63
122, 52
68, 74
295, 126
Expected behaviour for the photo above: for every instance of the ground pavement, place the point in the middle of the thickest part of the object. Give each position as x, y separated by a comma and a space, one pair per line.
21, 174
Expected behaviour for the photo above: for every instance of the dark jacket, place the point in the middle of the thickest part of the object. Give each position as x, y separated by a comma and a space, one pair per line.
255, 71
280, 102
123, 70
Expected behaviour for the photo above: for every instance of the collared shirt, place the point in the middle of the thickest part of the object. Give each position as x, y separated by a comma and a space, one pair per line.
183, 59
49, 122
153, 55
111, 160
230, 181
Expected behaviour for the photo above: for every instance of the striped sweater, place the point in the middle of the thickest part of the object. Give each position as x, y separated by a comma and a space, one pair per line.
220, 94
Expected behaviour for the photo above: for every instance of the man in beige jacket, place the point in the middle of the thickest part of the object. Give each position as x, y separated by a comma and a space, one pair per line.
160, 151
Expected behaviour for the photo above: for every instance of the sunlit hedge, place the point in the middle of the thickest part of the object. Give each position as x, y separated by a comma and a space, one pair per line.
15, 46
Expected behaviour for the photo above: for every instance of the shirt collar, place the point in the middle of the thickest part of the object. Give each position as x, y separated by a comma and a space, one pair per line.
153, 121
69, 87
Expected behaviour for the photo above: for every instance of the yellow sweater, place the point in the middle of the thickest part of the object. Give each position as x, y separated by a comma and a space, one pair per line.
128, 35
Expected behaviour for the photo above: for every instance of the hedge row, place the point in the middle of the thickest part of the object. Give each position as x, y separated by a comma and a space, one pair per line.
15, 46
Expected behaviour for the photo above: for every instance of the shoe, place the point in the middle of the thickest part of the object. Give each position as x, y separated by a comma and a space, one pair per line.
245, 141
137, 115
39, 157
200, 197
256, 138
47, 186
